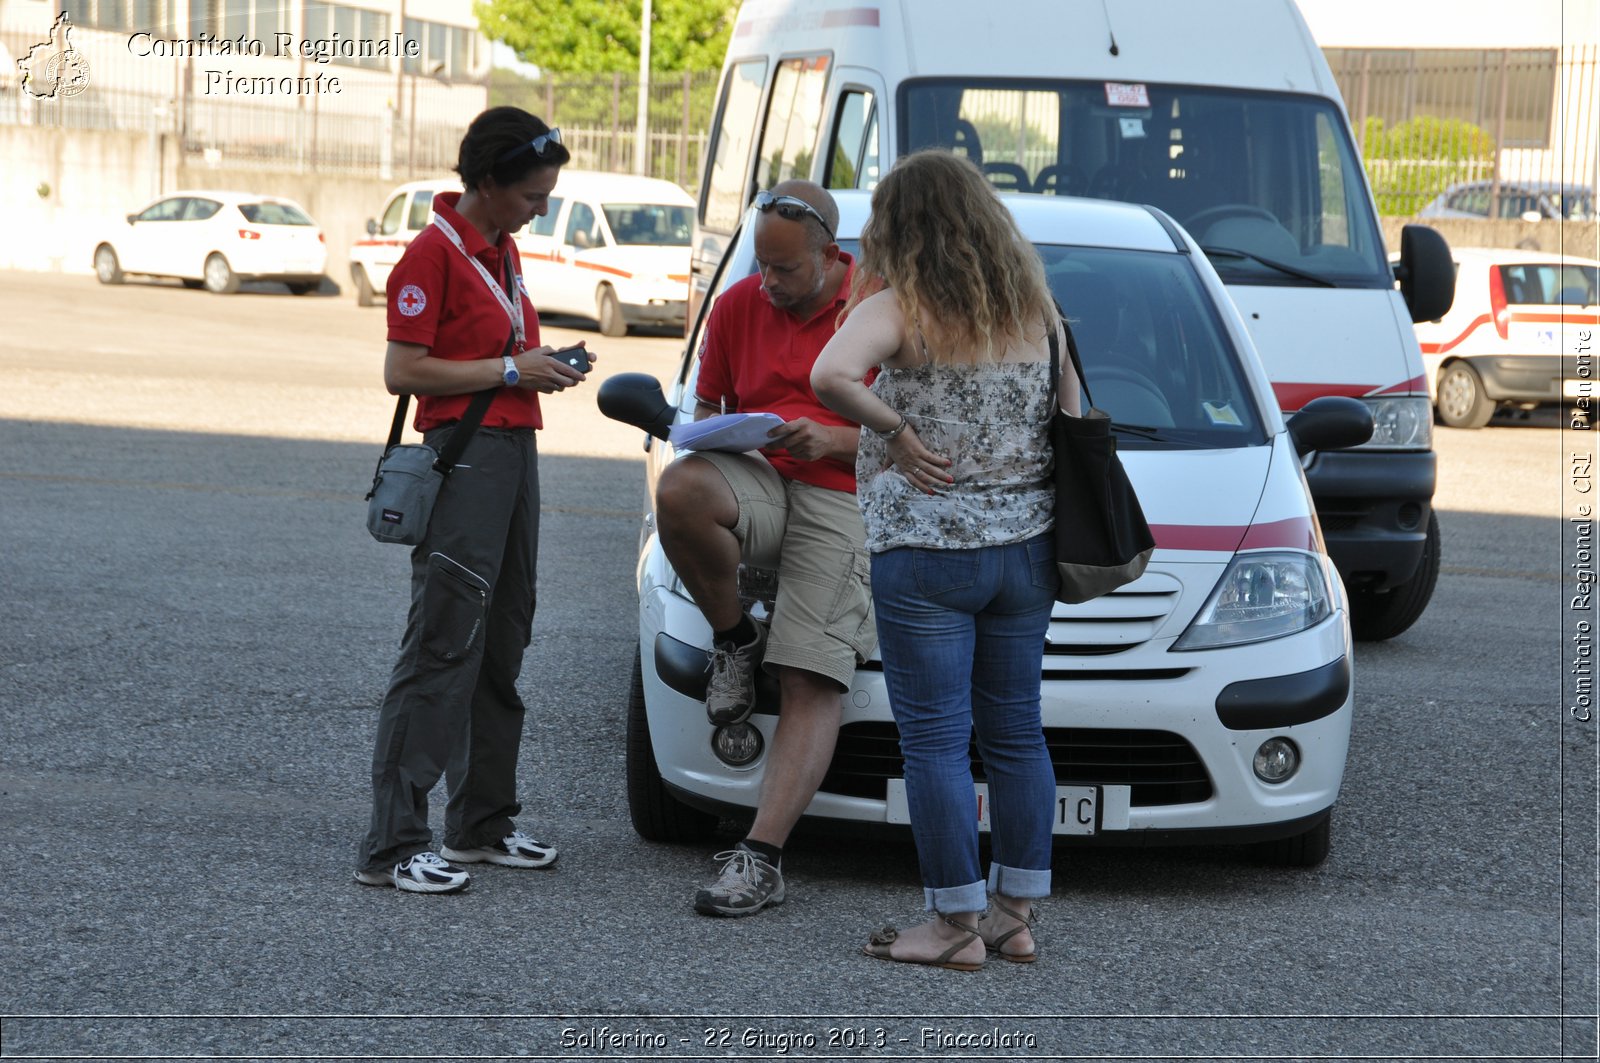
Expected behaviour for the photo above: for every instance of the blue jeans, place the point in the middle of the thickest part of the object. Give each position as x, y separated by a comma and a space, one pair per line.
961, 634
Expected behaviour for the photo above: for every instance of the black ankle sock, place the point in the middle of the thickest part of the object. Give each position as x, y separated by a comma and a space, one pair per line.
741, 634
772, 854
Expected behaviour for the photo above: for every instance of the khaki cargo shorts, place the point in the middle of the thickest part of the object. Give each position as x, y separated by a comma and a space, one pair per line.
813, 537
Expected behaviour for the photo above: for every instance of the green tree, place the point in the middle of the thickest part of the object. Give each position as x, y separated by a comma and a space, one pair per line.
602, 36
1412, 161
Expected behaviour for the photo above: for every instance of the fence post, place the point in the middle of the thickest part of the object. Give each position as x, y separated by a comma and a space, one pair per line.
683, 132
1499, 134
1362, 102
616, 119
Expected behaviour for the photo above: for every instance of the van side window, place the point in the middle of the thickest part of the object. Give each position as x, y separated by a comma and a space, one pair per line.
583, 229
391, 216
730, 152
853, 155
545, 225
421, 206
794, 118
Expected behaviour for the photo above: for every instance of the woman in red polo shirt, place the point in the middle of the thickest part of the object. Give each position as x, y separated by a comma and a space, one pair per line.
460, 323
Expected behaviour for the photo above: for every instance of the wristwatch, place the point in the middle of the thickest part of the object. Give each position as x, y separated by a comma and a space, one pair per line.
510, 377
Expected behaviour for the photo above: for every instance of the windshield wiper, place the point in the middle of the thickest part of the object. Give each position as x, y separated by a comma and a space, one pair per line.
1234, 252
1152, 433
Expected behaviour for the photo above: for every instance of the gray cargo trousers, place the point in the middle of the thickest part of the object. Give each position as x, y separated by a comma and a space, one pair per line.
452, 706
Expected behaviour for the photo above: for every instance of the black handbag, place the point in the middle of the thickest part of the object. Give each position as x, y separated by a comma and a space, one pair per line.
1102, 539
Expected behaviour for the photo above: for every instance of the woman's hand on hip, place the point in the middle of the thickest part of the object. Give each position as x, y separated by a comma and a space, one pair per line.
919, 465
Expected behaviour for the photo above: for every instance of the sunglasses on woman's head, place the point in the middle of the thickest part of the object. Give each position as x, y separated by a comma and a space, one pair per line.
790, 208
539, 144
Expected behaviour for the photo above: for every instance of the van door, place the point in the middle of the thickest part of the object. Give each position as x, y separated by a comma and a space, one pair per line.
540, 252
574, 286
725, 189
790, 133
853, 155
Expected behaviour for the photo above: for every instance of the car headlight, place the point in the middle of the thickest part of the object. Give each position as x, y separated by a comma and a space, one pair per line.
1260, 596
1400, 423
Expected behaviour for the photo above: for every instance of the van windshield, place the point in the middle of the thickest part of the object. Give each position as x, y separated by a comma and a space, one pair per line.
658, 224
1264, 178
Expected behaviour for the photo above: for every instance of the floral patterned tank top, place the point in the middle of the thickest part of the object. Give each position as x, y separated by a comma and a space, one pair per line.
992, 420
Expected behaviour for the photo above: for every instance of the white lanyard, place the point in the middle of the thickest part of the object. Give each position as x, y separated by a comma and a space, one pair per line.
513, 308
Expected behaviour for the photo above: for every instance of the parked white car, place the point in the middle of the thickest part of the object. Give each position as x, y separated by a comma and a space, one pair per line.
1511, 338
1209, 700
217, 240
612, 247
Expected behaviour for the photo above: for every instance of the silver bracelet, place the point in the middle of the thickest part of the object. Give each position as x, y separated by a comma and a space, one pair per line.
893, 432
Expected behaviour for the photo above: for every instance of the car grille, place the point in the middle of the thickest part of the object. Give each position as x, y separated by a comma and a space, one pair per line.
1110, 624
1162, 768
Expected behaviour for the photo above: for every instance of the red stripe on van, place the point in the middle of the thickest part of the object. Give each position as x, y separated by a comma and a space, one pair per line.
1440, 348
1292, 396
852, 16
604, 269
1555, 319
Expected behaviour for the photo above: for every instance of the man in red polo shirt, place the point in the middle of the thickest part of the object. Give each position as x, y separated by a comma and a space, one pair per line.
793, 508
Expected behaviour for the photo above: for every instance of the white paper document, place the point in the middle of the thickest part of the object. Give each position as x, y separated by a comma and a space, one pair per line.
735, 432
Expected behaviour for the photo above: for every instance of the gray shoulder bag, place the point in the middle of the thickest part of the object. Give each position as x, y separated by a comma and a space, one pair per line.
409, 476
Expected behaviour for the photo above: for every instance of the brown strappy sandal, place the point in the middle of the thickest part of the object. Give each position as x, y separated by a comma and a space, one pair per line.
1028, 924
878, 947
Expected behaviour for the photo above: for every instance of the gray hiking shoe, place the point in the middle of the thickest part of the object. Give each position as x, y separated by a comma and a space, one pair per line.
747, 885
731, 693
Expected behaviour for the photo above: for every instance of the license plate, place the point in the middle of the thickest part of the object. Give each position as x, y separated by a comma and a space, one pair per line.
1076, 808
1573, 388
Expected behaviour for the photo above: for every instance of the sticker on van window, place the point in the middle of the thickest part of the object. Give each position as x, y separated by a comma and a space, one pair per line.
1120, 95
1221, 413
1132, 128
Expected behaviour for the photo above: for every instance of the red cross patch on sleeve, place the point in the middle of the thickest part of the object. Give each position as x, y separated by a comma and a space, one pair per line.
411, 301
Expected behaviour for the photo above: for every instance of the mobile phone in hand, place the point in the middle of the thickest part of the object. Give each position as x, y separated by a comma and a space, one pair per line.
574, 356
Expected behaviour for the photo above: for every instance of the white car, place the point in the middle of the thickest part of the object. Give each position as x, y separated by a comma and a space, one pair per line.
613, 247
1511, 338
217, 240
1209, 700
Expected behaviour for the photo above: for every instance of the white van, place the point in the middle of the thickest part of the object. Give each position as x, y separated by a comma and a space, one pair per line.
1224, 116
612, 247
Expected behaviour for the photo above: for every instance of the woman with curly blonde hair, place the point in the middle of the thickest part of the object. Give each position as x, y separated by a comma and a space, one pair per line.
953, 477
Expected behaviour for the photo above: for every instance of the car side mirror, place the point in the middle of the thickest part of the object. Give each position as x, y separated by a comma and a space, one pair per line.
132, 218
1426, 274
372, 226
1333, 422
636, 399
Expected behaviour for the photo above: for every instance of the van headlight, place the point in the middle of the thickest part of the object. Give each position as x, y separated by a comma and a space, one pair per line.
1400, 423
1260, 597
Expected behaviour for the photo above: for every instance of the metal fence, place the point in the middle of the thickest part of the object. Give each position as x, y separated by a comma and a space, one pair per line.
1426, 120
598, 116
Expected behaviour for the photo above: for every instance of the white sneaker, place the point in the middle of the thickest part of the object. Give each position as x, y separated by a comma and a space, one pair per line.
422, 873
514, 850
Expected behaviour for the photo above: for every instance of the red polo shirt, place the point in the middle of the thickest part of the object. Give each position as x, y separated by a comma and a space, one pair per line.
438, 300
759, 358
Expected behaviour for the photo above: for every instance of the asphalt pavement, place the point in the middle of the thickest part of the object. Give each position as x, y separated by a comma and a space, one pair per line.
198, 631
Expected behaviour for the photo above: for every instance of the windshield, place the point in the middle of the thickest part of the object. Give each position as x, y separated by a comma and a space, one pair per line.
1153, 348
272, 214
1272, 175
650, 223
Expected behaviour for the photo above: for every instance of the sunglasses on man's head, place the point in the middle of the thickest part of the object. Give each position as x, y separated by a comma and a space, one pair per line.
791, 208
540, 145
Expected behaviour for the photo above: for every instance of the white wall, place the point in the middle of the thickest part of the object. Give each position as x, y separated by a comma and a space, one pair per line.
1452, 23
